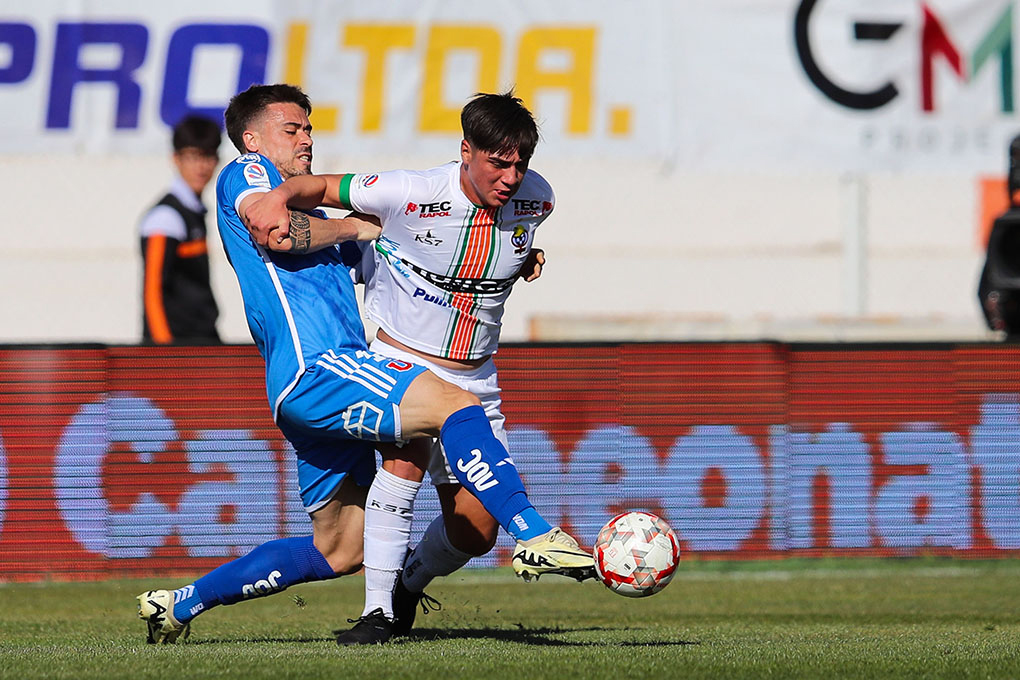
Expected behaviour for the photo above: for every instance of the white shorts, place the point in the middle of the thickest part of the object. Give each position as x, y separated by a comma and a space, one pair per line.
481, 382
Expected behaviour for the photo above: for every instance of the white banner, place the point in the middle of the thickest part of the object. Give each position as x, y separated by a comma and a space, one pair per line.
729, 84
383, 77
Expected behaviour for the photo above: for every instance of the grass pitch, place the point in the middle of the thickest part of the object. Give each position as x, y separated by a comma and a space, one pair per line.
786, 619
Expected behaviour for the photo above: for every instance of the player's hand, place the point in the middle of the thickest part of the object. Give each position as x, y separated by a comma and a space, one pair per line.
367, 227
268, 220
532, 267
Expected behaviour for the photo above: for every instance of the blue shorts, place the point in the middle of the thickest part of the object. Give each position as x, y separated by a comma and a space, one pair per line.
341, 405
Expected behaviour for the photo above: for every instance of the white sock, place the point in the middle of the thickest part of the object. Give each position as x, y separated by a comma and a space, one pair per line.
388, 511
433, 557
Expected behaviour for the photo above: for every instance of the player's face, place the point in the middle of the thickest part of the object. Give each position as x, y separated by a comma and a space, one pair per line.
490, 179
284, 136
195, 166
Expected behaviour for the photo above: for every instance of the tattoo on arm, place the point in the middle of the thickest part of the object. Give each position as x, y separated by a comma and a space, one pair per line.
300, 232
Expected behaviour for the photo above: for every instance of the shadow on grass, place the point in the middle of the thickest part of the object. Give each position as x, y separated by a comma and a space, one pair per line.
526, 636
532, 636
258, 640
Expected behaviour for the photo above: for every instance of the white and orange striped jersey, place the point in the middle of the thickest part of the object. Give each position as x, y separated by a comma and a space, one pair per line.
438, 277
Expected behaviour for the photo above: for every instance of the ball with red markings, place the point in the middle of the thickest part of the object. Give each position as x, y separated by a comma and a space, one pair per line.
636, 554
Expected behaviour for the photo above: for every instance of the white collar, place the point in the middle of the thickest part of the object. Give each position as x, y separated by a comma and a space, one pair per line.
185, 195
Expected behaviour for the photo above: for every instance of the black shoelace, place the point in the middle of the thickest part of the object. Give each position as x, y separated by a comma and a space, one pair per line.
429, 603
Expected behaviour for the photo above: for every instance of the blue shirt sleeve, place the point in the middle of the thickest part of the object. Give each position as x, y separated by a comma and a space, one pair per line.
246, 174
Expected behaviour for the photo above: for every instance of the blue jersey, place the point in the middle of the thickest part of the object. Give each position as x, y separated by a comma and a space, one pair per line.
298, 306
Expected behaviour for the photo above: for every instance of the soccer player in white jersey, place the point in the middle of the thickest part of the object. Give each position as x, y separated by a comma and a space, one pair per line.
455, 238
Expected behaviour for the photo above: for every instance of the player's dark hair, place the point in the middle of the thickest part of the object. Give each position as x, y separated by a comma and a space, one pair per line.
500, 124
246, 106
197, 132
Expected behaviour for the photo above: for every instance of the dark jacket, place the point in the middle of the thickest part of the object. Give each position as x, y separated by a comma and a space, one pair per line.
178, 299
999, 288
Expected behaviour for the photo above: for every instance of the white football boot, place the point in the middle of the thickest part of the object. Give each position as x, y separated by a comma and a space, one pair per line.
156, 608
554, 552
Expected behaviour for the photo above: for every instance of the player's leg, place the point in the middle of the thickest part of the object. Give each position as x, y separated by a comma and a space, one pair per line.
334, 549
389, 509
333, 478
388, 514
368, 396
471, 530
464, 530
354, 395
480, 462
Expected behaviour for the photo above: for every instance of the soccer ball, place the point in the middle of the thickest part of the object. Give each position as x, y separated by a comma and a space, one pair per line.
636, 554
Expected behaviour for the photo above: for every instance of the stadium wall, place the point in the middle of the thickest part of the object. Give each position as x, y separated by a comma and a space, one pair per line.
719, 172
129, 461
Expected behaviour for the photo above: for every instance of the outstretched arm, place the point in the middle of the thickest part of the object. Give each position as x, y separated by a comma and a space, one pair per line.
269, 212
296, 232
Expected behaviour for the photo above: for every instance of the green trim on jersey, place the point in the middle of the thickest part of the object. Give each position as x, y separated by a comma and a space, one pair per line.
457, 264
345, 191
459, 253
465, 238
495, 246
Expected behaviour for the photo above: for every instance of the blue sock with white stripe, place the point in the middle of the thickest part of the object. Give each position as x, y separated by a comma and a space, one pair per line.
481, 463
267, 569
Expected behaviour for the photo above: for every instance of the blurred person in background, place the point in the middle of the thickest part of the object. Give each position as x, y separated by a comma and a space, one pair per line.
177, 299
999, 288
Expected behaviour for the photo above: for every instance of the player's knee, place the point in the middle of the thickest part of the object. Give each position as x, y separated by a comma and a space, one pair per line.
474, 543
455, 399
486, 541
472, 536
447, 400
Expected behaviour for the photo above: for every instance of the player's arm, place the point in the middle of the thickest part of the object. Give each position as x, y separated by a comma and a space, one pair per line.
296, 232
267, 219
535, 261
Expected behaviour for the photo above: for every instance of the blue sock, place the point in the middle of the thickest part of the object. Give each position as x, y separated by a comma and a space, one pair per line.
267, 569
481, 463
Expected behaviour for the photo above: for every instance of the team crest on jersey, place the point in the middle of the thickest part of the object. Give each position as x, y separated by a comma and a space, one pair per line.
248, 158
256, 175
369, 180
519, 239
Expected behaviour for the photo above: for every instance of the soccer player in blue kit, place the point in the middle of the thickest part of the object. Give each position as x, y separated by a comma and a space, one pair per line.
331, 397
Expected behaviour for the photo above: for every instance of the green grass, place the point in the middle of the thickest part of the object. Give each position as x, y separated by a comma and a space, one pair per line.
786, 619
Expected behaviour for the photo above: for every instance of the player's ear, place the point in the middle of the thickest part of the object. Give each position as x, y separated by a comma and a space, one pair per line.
465, 150
251, 141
